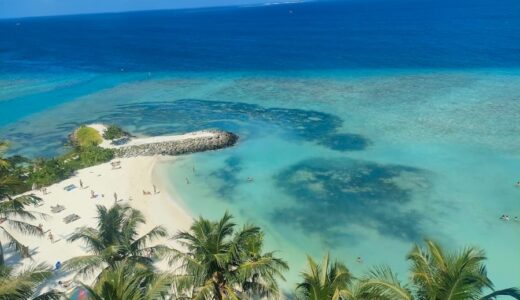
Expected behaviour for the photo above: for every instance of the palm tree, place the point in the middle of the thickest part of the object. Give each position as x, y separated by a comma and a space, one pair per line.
3, 147
7, 182
22, 284
327, 281
126, 282
436, 275
220, 262
115, 240
13, 215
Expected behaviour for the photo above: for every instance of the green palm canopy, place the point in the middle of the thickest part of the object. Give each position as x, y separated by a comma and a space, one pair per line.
114, 240
221, 262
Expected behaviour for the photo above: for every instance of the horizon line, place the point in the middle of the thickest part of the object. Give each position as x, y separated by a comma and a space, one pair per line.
259, 4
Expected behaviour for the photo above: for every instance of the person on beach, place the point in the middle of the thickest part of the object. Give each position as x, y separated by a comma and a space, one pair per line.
115, 197
51, 237
92, 194
154, 189
65, 284
81, 183
40, 226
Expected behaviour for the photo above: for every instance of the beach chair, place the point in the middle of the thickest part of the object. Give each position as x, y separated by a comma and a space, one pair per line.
71, 218
116, 165
58, 208
69, 187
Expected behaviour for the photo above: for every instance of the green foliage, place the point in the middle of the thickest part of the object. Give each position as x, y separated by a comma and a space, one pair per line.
88, 136
13, 173
125, 282
3, 147
45, 172
18, 174
115, 240
114, 132
22, 284
48, 171
326, 281
15, 217
93, 155
434, 275
222, 261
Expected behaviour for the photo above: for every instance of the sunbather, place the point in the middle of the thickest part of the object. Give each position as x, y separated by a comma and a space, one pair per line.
65, 284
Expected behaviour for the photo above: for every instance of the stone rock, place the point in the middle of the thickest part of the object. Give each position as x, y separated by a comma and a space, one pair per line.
220, 139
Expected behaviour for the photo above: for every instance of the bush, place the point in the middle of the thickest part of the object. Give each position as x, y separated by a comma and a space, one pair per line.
49, 171
88, 136
114, 132
94, 155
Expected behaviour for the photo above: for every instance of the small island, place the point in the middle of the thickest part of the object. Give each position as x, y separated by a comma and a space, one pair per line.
125, 145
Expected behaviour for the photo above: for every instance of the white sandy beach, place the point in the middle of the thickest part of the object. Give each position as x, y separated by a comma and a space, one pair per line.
134, 176
128, 181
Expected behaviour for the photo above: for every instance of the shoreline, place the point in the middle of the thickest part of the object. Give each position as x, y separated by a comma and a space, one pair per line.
137, 174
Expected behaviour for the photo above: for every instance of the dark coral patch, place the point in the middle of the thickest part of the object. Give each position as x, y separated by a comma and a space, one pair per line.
159, 118
186, 115
227, 177
338, 194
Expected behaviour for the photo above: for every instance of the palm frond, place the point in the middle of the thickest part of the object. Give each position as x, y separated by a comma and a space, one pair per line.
22, 284
155, 233
382, 283
511, 292
86, 265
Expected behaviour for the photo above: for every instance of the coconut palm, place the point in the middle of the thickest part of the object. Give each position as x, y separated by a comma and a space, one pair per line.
128, 282
14, 217
437, 275
326, 281
115, 240
221, 262
7, 182
3, 147
22, 284
383, 284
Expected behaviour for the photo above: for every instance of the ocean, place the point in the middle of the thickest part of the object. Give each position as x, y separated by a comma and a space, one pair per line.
367, 126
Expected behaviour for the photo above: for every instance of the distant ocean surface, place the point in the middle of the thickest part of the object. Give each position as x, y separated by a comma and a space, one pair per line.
366, 125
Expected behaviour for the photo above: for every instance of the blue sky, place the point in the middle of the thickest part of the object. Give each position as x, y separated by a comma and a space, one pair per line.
25, 8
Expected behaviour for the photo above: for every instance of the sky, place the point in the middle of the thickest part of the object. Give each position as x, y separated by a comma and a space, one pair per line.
30, 8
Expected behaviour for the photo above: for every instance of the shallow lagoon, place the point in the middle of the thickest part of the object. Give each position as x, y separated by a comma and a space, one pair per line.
359, 164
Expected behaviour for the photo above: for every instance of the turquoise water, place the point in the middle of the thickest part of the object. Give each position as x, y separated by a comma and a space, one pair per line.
366, 125
355, 163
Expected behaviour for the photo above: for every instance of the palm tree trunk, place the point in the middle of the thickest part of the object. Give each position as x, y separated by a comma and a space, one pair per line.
218, 292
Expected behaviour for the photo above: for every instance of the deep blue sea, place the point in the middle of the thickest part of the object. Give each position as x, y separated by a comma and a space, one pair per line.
367, 125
